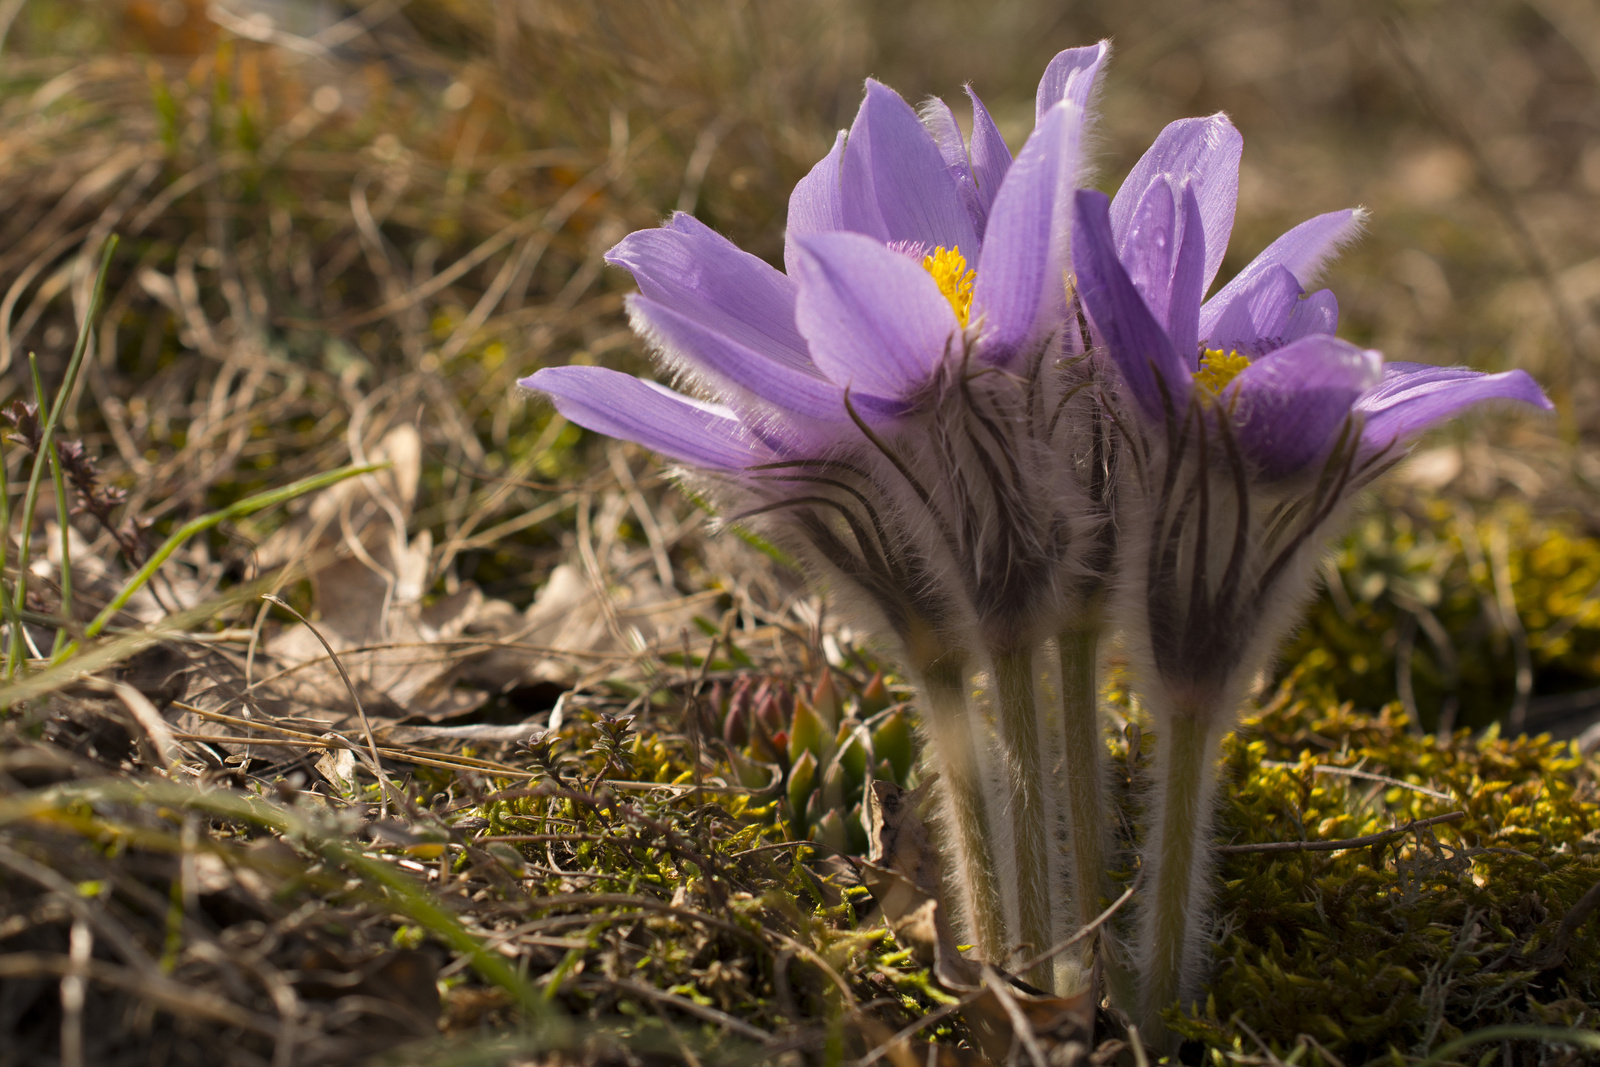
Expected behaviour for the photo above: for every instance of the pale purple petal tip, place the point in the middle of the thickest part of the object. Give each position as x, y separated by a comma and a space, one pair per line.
941, 123
896, 186
704, 277
1204, 152
875, 320
1287, 407
1019, 296
1072, 75
1414, 396
1150, 367
1303, 252
990, 156
620, 405
817, 204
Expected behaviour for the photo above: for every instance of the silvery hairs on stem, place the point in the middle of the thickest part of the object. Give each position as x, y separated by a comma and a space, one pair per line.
1249, 430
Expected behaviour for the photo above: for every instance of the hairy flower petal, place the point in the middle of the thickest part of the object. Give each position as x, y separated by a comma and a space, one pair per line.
704, 277
1287, 407
817, 203
1150, 367
896, 186
1072, 75
1415, 396
990, 158
1204, 152
1256, 319
1019, 296
875, 320
721, 363
620, 405
1302, 251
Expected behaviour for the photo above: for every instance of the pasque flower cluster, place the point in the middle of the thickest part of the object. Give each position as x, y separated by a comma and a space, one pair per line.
995, 413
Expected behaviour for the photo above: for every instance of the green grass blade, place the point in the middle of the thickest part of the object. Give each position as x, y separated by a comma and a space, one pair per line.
62, 514
46, 440
248, 506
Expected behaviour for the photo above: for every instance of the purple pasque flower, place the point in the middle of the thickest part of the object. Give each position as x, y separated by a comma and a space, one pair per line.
904, 403
1249, 427
1255, 422
919, 322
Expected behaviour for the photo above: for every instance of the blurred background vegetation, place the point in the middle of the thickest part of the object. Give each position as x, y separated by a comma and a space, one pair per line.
343, 220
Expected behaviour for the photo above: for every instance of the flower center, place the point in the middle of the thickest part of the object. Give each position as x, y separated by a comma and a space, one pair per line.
1218, 369
949, 269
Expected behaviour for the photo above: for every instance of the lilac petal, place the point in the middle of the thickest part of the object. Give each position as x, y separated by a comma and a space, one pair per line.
896, 185
1317, 313
1151, 368
941, 123
1147, 246
1019, 295
704, 277
620, 405
1188, 279
817, 203
1256, 320
991, 159
876, 320
721, 362
1415, 396
1287, 407
1302, 251
1205, 152
1072, 75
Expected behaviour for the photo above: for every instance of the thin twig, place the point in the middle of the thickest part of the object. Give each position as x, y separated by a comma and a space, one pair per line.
366, 724
1343, 843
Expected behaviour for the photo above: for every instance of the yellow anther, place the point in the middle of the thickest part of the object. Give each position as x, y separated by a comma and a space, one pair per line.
1218, 369
949, 269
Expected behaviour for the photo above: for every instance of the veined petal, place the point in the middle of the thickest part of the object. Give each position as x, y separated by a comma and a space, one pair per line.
1020, 292
896, 185
1415, 396
990, 158
722, 361
1256, 320
875, 320
1287, 406
1150, 367
1188, 278
1148, 245
620, 405
704, 277
1072, 75
1302, 251
1205, 152
817, 203
941, 123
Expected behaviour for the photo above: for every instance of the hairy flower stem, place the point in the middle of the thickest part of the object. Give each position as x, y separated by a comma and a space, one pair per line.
1083, 795
944, 685
1016, 695
1179, 857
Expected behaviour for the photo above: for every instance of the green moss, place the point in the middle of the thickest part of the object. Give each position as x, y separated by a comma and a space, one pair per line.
1368, 953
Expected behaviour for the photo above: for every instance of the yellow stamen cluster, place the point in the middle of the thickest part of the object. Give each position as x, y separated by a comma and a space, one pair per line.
949, 269
1218, 369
